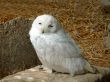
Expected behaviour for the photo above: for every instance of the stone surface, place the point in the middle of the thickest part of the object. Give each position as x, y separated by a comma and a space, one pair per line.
36, 75
108, 37
105, 2
16, 51
106, 5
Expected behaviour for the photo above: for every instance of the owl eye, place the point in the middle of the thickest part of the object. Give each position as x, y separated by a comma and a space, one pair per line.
40, 23
50, 26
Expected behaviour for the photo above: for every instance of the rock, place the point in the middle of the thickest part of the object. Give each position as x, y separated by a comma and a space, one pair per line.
105, 2
36, 75
105, 5
106, 78
16, 51
107, 38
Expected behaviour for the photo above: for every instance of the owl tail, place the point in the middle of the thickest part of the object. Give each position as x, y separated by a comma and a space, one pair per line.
102, 70
97, 69
90, 68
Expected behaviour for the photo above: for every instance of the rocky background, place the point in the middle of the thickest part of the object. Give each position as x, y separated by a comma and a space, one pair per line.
16, 51
87, 21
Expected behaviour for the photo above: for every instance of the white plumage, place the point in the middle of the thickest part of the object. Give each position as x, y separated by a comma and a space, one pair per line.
55, 49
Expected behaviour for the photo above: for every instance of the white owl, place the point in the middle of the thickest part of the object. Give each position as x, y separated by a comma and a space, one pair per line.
55, 49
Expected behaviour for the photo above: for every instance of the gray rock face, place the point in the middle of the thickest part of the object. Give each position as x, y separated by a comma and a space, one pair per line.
107, 39
36, 75
106, 5
105, 2
16, 51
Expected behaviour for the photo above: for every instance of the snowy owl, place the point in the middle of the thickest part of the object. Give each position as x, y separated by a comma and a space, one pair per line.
55, 48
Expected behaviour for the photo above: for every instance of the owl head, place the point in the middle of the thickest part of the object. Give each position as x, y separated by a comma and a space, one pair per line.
45, 24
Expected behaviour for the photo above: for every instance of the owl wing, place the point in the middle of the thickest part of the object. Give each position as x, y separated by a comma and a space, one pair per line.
66, 49
63, 47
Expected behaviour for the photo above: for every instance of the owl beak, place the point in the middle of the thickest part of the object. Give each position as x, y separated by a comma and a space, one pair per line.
42, 31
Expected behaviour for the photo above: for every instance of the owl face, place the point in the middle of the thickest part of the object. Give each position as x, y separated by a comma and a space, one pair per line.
45, 24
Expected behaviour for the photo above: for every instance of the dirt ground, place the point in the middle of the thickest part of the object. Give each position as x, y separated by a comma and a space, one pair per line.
83, 19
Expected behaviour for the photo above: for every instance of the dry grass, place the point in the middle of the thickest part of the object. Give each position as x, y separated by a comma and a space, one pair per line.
83, 19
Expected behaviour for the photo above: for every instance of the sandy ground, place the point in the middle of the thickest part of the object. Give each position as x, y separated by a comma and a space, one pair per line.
83, 19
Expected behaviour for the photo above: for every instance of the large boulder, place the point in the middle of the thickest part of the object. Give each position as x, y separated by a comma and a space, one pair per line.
16, 51
105, 5
107, 38
36, 75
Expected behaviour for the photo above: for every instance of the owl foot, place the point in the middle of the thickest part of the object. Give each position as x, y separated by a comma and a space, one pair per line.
72, 73
48, 70
40, 67
43, 68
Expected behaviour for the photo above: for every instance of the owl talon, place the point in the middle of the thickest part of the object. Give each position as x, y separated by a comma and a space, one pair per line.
72, 74
43, 68
40, 67
48, 70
